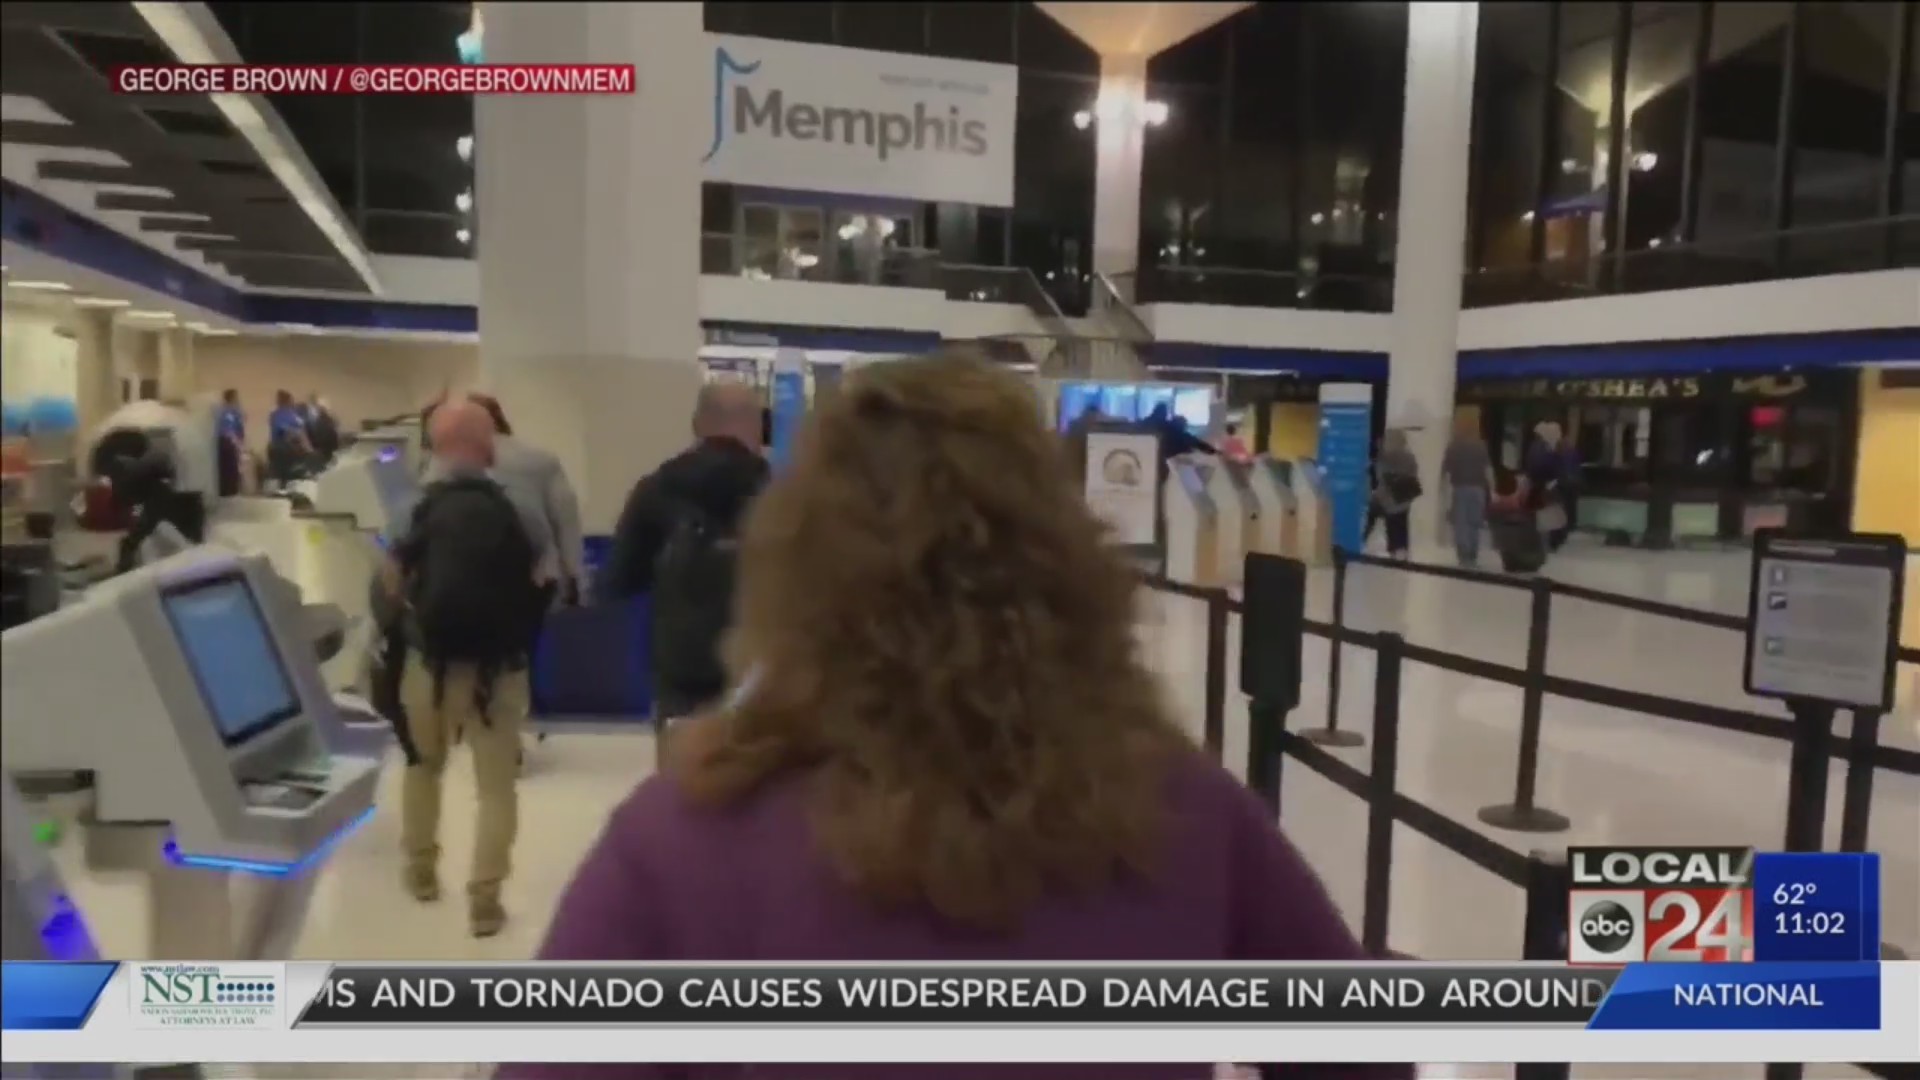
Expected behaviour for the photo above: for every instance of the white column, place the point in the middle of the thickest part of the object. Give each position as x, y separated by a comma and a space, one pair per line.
1119, 145
588, 212
96, 375
176, 364
1433, 230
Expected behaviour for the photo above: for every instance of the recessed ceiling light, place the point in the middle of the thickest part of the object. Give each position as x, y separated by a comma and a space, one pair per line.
216, 331
150, 316
40, 286
298, 328
100, 302
463, 202
463, 235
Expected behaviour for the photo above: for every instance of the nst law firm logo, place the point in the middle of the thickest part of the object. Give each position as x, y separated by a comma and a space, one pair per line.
208, 996
851, 121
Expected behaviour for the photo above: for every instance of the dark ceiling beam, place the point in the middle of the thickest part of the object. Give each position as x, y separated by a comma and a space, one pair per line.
139, 202
208, 243
177, 223
83, 172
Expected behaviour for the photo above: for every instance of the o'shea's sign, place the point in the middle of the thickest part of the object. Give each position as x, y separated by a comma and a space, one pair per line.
1665, 904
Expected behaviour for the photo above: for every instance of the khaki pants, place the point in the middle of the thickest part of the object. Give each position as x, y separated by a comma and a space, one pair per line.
494, 743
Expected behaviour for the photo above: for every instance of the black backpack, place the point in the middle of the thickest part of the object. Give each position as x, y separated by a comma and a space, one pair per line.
693, 584
469, 564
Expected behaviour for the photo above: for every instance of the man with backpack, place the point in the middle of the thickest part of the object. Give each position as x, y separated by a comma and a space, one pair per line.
677, 539
474, 570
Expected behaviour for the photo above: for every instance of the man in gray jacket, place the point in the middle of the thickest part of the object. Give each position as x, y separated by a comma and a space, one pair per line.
534, 476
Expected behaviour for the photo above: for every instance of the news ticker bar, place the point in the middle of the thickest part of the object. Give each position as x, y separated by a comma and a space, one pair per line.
373, 79
1642, 997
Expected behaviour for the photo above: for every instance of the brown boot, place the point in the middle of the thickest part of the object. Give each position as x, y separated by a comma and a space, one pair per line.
422, 882
485, 914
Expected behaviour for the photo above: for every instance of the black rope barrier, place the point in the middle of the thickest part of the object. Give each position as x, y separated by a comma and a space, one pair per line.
1542, 875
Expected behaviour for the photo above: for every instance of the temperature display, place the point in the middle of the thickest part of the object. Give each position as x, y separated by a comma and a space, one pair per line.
1816, 907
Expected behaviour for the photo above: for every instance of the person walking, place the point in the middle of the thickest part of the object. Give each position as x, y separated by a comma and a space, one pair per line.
676, 539
472, 569
1396, 485
1467, 468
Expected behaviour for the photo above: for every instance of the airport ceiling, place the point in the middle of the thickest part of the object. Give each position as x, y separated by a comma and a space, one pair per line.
156, 167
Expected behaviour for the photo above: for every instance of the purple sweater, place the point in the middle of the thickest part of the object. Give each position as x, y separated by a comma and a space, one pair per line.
669, 881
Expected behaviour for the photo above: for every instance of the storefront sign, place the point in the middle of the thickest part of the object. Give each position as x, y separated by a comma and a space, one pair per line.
855, 122
1646, 388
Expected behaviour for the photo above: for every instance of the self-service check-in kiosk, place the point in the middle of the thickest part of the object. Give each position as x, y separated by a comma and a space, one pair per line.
1315, 518
1231, 485
1193, 546
206, 748
1278, 530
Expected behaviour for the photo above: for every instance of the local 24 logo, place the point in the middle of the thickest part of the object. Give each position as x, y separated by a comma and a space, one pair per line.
1666, 905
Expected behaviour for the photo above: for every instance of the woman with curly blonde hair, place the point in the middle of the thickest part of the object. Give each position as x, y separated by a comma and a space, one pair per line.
946, 745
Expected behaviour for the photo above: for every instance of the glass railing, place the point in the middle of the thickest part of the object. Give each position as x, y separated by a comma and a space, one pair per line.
1069, 355
1231, 286
1799, 253
1003, 285
899, 267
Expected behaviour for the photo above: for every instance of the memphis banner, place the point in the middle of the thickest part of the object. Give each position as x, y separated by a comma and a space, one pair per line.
246, 1013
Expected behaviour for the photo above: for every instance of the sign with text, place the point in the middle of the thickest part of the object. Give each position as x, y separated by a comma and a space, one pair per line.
855, 122
1823, 618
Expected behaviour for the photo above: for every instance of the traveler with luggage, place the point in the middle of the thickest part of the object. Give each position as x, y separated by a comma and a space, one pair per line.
676, 540
473, 567
951, 748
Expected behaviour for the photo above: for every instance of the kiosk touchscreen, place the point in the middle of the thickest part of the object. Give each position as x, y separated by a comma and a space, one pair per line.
212, 719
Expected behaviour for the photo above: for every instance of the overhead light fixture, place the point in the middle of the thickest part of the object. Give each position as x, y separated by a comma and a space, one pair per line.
150, 316
1645, 161
176, 28
100, 302
298, 327
1155, 113
1528, 216
463, 235
1083, 119
205, 330
464, 148
1317, 218
463, 202
40, 286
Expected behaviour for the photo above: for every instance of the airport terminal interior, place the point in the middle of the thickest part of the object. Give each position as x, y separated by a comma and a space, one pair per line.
1672, 250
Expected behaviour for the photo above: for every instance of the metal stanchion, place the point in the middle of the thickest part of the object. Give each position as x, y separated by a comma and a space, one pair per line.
1521, 815
1545, 937
1266, 725
1856, 809
1215, 718
1807, 776
1331, 735
1384, 789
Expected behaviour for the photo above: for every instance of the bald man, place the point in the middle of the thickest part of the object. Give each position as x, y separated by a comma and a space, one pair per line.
674, 540
474, 568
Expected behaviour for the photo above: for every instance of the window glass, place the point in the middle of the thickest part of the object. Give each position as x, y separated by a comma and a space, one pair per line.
1510, 91
780, 242
892, 27
974, 31
1740, 133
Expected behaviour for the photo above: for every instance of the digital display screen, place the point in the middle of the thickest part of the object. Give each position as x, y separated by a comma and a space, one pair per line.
1152, 397
1075, 399
225, 639
1195, 405
1122, 402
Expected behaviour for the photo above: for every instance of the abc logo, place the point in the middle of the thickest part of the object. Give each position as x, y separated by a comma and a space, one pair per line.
1606, 927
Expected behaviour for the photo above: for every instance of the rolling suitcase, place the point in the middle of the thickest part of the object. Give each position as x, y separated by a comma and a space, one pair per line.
1516, 536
